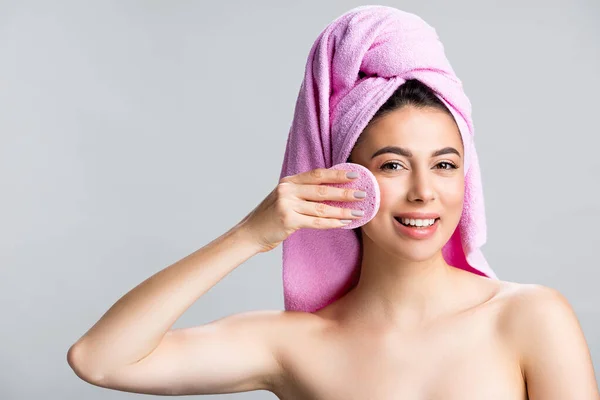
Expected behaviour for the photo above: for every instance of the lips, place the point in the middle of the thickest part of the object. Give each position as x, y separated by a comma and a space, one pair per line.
417, 232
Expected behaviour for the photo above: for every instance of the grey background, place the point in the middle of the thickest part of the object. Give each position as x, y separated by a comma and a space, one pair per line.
135, 132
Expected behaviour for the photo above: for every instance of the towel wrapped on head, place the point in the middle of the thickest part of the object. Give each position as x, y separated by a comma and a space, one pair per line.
353, 67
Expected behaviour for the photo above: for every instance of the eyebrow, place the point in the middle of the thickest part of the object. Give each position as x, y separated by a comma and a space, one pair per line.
401, 151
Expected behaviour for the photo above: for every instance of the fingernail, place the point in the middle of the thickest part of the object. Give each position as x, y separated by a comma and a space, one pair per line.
345, 221
352, 174
360, 194
358, 213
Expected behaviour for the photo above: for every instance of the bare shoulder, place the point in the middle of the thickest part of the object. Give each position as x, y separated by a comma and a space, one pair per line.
540, 324
529, 308
295, 329
523, 297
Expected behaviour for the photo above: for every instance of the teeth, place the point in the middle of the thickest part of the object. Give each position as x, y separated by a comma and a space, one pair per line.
418, 222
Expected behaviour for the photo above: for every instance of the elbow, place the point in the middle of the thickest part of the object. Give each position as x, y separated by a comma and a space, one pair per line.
80, 364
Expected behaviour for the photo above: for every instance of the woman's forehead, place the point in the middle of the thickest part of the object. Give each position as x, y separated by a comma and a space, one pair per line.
417, 130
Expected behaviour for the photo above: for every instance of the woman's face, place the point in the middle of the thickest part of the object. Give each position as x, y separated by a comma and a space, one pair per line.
415, 181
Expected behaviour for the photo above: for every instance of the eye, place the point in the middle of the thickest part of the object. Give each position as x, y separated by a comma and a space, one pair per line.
390, 163
452, 166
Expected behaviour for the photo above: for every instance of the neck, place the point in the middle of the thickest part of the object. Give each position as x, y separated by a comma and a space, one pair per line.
402, 292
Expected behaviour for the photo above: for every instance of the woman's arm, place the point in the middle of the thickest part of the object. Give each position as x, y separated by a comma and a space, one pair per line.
555, 358
129, 348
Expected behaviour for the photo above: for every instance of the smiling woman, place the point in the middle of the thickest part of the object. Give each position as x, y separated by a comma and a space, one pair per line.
408, 290
410, 310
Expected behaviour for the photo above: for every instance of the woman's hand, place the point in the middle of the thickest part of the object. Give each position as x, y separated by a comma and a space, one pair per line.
295, 203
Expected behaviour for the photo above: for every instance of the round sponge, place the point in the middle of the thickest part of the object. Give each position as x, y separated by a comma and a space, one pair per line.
366, 182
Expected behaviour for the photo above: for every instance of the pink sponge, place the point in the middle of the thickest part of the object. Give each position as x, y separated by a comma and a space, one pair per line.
366, 182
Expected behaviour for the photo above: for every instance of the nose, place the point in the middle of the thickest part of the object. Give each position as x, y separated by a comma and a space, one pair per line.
420, 187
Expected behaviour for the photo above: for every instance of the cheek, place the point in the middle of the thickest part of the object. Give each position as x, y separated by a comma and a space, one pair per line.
453, 195
389, 194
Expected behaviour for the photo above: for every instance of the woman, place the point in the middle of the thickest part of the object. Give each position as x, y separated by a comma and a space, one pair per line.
413, 326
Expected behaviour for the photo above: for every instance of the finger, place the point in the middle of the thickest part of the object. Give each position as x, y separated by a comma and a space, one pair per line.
318, 176
325, 192
307, 221
323, 210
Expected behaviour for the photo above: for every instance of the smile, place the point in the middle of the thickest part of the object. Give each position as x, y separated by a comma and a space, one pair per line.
411, 228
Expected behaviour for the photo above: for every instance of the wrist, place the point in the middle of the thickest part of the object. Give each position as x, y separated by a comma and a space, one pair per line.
244, 235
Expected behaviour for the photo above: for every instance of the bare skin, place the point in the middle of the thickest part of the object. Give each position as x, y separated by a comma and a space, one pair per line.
463, 355
413, 328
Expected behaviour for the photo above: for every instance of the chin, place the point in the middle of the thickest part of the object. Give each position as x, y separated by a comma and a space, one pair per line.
417, 255
403, 248
417, 250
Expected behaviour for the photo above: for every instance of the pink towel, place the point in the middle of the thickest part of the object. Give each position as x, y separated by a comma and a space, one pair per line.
387, 47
